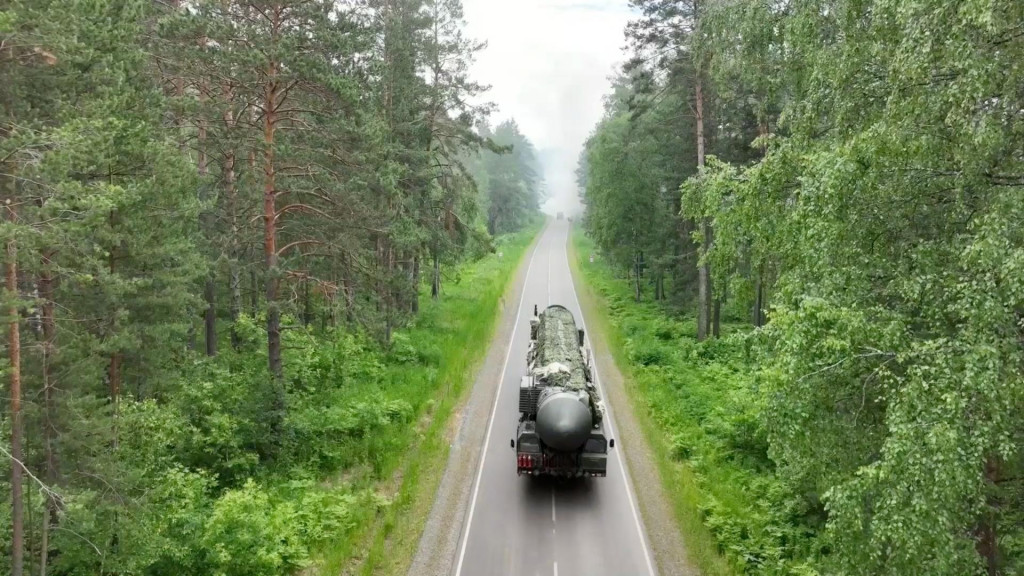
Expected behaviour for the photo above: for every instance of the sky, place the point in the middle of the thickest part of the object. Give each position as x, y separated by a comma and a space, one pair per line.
548, 63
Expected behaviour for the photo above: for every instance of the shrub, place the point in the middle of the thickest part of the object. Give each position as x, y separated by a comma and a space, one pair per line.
249, 535
648, 351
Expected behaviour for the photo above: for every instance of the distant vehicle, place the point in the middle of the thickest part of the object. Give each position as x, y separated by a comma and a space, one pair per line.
561, 415
560, 215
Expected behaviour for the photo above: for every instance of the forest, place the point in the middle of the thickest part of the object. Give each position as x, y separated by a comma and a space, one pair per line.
248, 247
809, 221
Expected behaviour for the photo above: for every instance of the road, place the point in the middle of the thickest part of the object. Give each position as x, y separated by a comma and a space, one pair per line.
531, 527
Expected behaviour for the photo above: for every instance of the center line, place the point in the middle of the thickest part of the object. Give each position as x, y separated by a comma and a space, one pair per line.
552, 505
549, 280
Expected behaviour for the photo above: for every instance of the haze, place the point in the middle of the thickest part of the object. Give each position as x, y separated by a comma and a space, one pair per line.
548, 63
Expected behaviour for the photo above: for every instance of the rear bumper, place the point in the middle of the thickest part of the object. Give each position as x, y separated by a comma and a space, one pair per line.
561, 473
562, 465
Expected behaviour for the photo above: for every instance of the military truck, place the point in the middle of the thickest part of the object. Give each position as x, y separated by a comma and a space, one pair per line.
561, 416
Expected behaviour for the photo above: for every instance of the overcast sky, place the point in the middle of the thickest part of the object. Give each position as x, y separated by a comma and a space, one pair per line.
548, 63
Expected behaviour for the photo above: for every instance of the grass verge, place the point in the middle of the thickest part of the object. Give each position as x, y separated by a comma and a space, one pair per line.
456, 331
695, 404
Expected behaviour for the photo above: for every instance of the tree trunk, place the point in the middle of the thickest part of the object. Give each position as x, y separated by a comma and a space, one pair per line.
114, 374
986, 535
114, 377
716, 325
307, 305
254, 303
270, 219
704, 276
636, 275
253, 118
389, 293
234, 274
414, 304
179, 122
435, 283
704, 288
114, 366
206, 228
699, 89
30, 527
14, 354
271, 102
678, 262
759, 298
44, 544
345, 289
348, 292
179, 117
235, 286
50, 418
210, 316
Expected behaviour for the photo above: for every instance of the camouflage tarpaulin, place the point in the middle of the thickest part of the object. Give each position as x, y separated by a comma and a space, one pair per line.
557, 358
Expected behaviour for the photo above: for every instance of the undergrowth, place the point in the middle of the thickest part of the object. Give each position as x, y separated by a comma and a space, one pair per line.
209, 483
699, 408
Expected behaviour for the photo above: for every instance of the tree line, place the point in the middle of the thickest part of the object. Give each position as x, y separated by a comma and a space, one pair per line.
848, 177
195, 178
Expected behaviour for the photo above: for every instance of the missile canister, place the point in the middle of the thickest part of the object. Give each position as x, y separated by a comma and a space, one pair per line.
563, 419
560, 429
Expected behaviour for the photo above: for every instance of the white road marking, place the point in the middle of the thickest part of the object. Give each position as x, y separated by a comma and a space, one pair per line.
494, 410
552, 505
556, 568
611, 432
549, 279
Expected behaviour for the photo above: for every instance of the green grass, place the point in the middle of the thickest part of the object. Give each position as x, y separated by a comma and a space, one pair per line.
448, 341
696, 405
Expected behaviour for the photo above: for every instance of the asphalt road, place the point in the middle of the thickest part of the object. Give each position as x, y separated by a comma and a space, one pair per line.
534, 527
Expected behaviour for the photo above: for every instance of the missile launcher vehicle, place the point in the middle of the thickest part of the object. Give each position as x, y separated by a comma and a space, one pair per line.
561, 416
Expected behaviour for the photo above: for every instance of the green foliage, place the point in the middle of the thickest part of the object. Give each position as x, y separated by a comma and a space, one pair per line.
876, 210
508, 176
192, 492
887, 373
632, 209
140, 143
701, 401
248, 534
